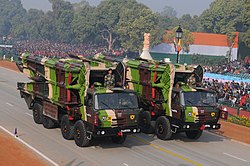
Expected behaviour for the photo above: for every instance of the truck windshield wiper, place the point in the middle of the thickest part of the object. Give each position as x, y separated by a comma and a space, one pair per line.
190, 102
209, 104
126, 106
107, 105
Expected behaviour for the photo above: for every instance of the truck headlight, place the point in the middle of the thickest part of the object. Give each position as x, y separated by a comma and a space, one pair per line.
104, 118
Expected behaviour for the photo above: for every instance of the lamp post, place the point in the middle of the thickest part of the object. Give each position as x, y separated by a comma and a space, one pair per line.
179, 34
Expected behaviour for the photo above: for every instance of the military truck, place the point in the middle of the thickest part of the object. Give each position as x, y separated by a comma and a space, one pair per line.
170, 103
69, 93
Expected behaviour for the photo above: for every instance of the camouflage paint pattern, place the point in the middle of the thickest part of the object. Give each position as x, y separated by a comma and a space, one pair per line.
73, 75
114, 118
161, 76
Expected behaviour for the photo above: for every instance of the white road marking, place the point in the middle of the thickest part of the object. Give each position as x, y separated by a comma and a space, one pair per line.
233, 140
9, 104
28, 114
32, 148
235, 157
125, 164
242, 143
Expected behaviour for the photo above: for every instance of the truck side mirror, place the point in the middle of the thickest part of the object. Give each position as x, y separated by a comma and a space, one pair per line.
90, 102
85, 100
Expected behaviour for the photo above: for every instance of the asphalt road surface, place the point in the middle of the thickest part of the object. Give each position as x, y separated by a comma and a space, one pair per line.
138, 150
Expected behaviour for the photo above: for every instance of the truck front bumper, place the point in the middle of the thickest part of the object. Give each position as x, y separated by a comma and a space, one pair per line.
195, 126
102, 132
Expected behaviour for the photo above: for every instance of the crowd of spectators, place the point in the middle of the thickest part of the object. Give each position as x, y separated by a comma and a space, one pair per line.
8, 53
230, 92
233, 93
53, 49
234, 67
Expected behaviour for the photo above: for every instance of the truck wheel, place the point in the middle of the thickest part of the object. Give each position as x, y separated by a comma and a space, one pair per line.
119, 140
163, 128
48, 123
80, 134
145, 123
67, 128
194, 134
37, 113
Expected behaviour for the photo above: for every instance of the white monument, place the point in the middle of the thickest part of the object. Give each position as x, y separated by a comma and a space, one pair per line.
145, 52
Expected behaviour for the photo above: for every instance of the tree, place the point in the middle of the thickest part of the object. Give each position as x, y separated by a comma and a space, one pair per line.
33, 23
186, 41
84, 23
135, 20
63, 15
123, 23
246, 34
47, 29
5, 27
188, 22
107, 19
12, 18
169, 12
167, 18
223, 17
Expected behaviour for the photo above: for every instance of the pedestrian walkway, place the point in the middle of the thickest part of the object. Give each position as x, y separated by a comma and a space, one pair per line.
13, 152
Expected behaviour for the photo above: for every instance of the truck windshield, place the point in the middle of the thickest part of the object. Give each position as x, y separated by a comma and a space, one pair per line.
199, 98
116, 101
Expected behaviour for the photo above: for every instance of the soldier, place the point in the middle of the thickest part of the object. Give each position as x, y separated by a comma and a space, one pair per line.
191, 80
109, 79
178, 85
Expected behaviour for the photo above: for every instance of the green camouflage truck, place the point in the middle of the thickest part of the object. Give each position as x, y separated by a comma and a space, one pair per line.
69, 93
170, 103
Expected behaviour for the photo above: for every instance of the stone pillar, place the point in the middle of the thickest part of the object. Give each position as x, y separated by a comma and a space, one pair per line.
145, 52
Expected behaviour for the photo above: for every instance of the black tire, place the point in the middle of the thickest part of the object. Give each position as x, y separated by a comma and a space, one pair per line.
48, 123
119, 140
38, 113
194, 134
145, 123
67, 128
163, 128
80, 134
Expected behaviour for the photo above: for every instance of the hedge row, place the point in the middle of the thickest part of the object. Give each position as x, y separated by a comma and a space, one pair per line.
241, 120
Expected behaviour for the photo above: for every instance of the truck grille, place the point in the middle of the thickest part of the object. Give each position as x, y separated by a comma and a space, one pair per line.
204, 118
200, 118
119, 122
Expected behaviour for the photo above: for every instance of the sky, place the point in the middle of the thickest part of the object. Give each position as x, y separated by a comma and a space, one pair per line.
192, 7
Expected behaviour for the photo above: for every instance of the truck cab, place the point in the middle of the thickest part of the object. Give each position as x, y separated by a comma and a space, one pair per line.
112, 112
196, 108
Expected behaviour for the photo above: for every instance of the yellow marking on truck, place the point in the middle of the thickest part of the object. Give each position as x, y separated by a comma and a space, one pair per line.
213, 114
195, 111
109, 118
111, 114
166, 151
132, 117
